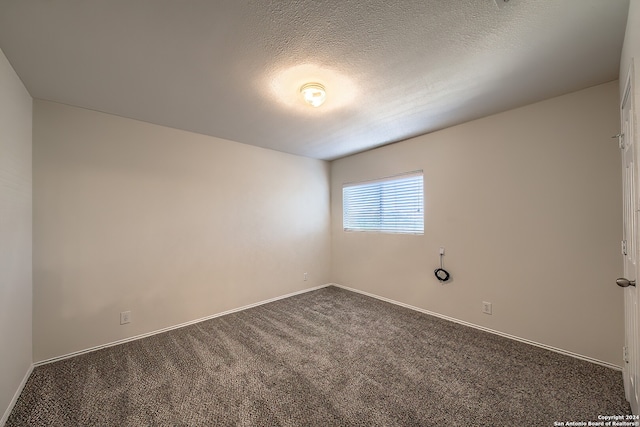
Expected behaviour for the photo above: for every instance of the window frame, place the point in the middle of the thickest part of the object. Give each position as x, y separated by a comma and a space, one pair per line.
383, 216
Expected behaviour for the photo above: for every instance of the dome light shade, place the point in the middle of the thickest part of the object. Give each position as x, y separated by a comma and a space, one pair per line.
314, 94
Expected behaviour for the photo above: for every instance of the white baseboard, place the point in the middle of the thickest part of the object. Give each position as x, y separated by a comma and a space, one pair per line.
7, 412
170, 328
482, 328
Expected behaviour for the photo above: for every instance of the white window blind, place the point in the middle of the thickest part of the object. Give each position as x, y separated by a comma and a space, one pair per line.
388, 205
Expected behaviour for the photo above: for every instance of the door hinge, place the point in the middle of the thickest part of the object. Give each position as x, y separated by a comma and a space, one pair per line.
620, 140
624, 247
625, 354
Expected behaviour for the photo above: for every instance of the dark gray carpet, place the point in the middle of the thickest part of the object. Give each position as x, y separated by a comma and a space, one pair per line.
324, 358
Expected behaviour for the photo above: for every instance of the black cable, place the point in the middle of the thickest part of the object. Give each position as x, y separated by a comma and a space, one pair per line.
441, 274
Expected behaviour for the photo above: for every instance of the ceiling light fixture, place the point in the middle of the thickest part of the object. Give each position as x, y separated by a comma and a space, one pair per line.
314, 94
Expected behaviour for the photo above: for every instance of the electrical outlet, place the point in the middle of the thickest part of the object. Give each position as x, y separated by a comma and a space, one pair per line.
306, 276
125, 317
486, 307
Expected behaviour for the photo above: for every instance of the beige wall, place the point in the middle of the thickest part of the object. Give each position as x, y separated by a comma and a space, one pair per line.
527, 204
171, 225
15, 233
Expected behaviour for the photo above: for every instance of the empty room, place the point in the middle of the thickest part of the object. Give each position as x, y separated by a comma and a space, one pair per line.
302, 213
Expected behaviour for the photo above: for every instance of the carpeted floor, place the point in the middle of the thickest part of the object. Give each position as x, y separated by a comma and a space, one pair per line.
324, 358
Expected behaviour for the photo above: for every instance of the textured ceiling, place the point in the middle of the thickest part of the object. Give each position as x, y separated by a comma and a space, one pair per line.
232, 69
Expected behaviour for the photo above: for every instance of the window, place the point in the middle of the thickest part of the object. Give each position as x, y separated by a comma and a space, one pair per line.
388, 205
